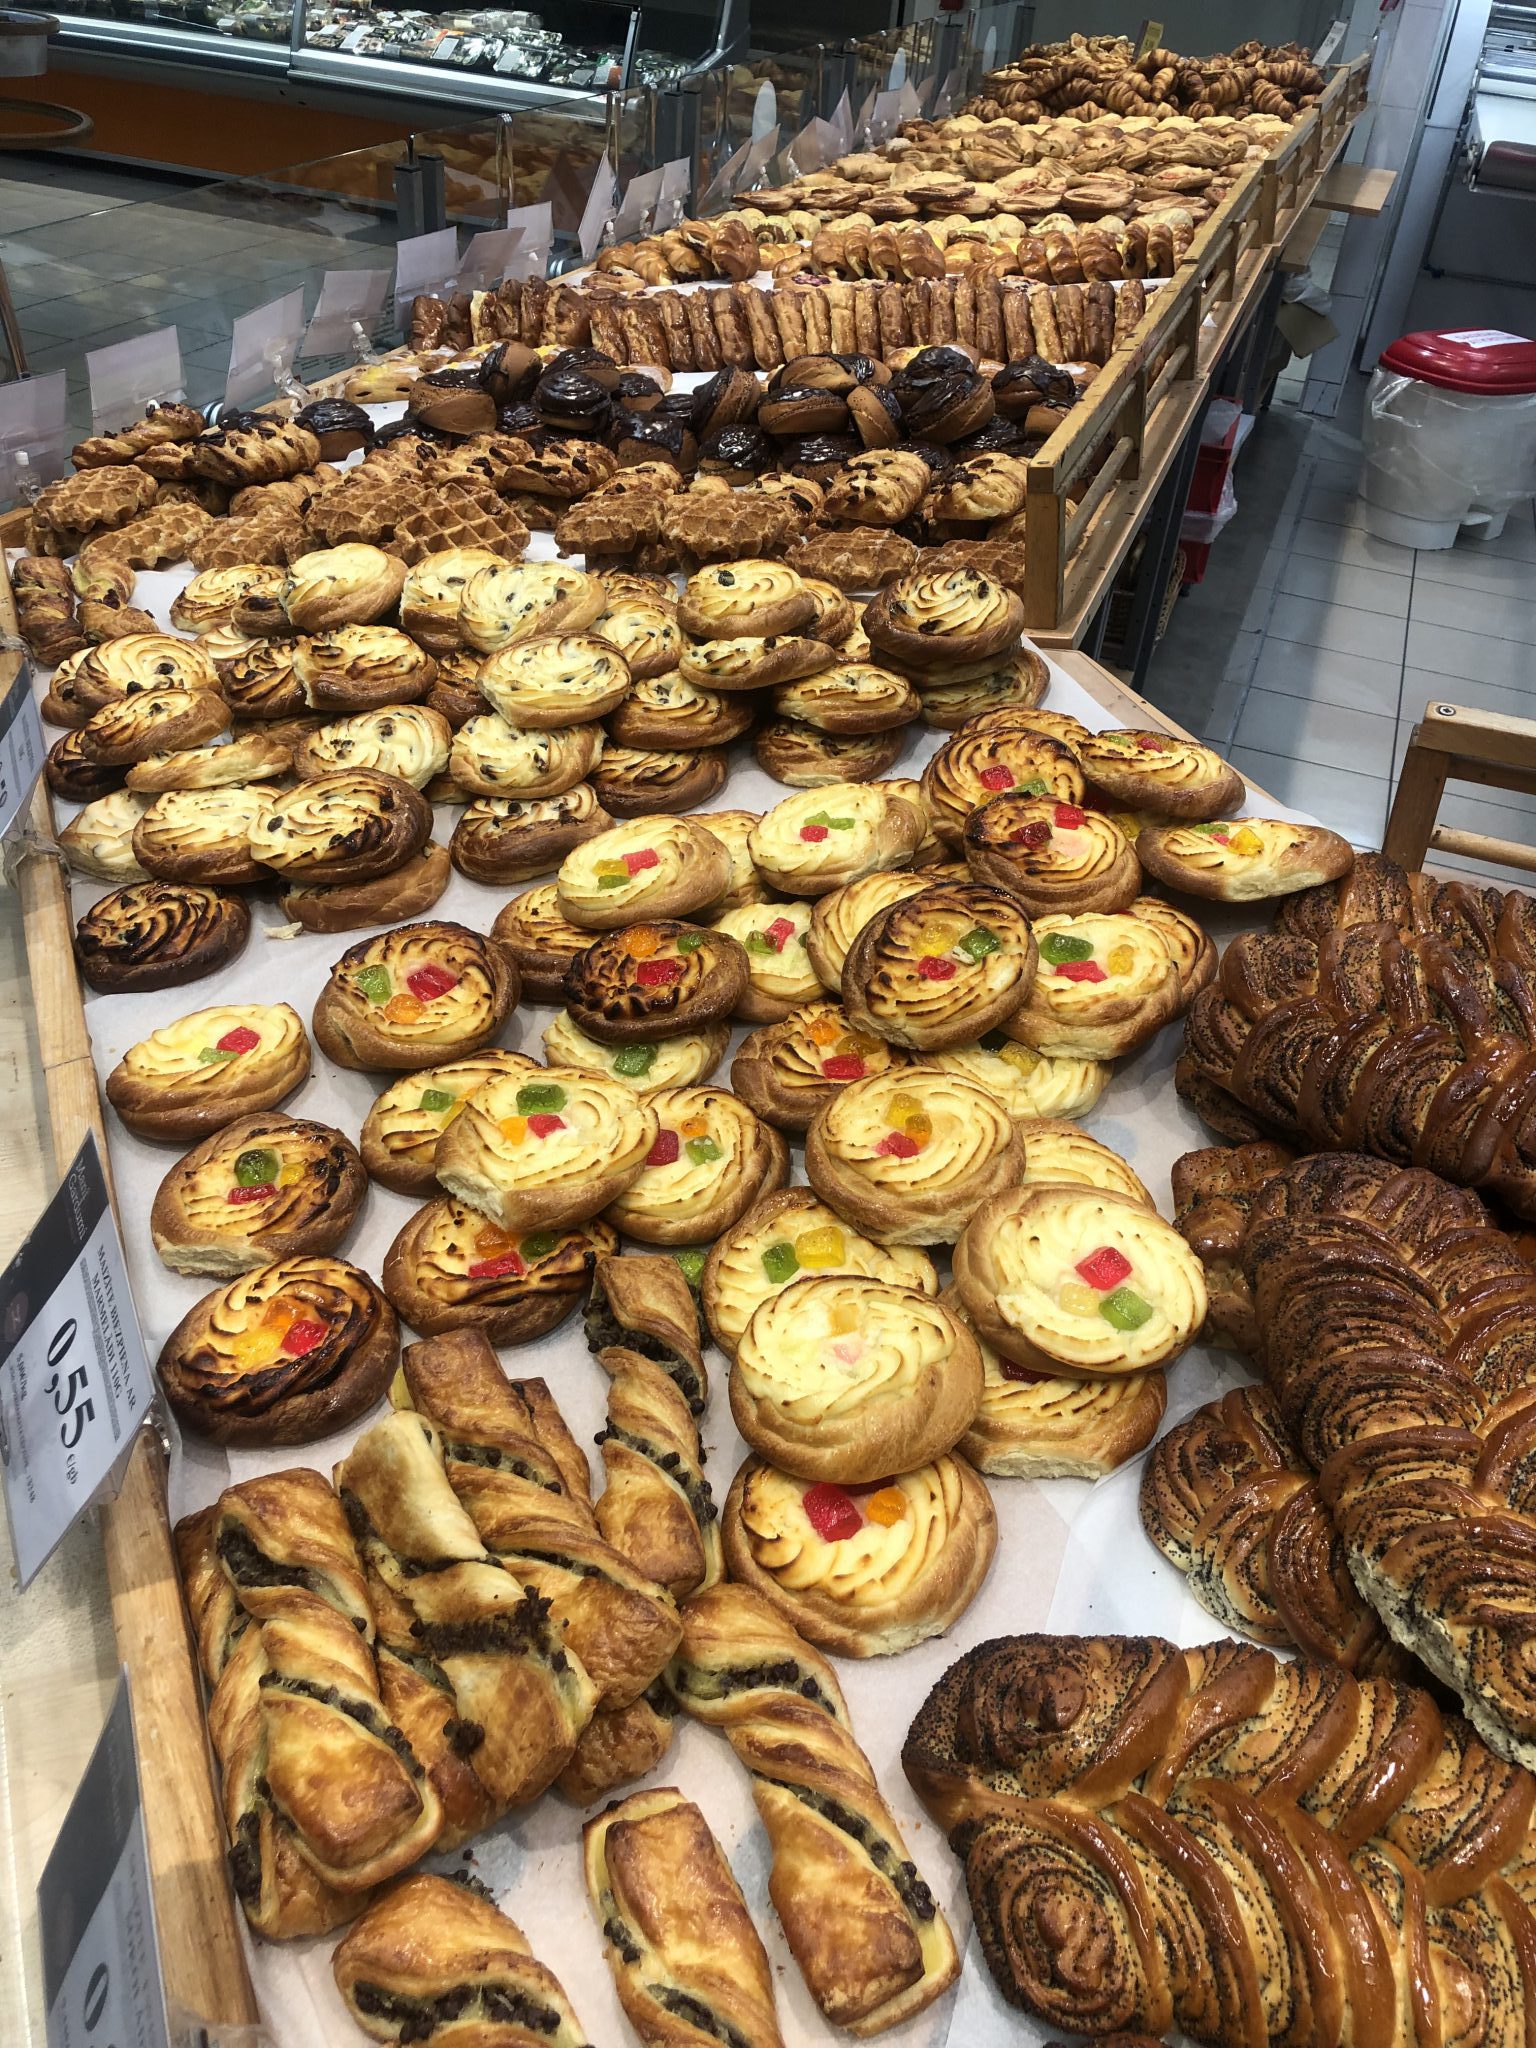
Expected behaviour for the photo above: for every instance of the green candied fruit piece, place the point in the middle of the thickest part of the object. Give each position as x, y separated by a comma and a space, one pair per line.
759, 942
435, 1100
535, 1096
211, 1056
1035, 788
1125, 1309
540, 1244
612, 881
255, 1168
780, 1263
841, 824
978, 944
691, 1259
702, 1150
690, 942
1056, 949
634, 1060
818, 818
375, 984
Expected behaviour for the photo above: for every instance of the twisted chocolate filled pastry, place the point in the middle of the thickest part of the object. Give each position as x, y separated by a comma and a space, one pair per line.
346, 586
656, 1506
651, 981
449, 1269
711, 1160
861, 1923
201, 1072
264, 1187
1243, 860
620, 1745
362, 668
399, 1137
492, 758
989, 757
555, 679
941, 968
790, 1071
673, 715
521, 600
938, 619
838, 918
780, 977
636, 782
642, 1303
540, 940
540, 1154
753, 599
678, 1062
686, 1960
821, 839
1106, 983
414, 997
1160, 772
349, 826
1027, 1083
408, 741
866, 1575
158, 935
431, 1960
1052, 856
648, 867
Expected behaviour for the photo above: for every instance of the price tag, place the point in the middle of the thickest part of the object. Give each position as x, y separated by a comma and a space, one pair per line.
640, 196
74, 1381
347, 298
725, 180
96, 1907
842, 121
536, 226
759, 155
672, 200
21, 751
262, 347
488, 258
421, 264
599, 206
1325, 49
127, 376
1150, 39
765, 111
32, 426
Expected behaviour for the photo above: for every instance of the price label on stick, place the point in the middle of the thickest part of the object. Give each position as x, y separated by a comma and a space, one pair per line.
21, 747
33, 431
262, 347
348, 299
74, 1381
96, 1907
126, 377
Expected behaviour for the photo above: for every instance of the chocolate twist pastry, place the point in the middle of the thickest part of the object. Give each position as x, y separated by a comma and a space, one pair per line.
860, 1921
642, 1303
656, 1507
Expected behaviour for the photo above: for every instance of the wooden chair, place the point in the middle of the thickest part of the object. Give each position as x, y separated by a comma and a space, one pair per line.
1452, 743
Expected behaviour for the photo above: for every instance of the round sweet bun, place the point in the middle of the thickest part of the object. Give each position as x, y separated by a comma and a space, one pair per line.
837, 919
913, 1558
282, 1354
1033, 1425
733, 829
136, 662
200, 1072
668, 713
1076, 1279
837, 618
849, 697
675, 1062
1161, 772
264, 1187
488, 757
541, 942
820, 840
405, 892
262, 683
257, 755
72, 777
347, 586
655, 980
1029, 1084
1017, 682
645, 632
933, 619
788, 1236
99, 839
752, 597
789, 1072
414, 997
399, 1137
151, 935
638, 782
408, 741
555, 679
844, 1379
546, 1153
1243, 861
521, 600
644, 868
711, 1161
1194, 951
152, 722
807, 758
348, 826
433, 591
910, 1158
507, 839
1057, 1151
210, 598
780, 977
455, 690
201, 835
362, 668
748, 663
1053, 856
449, 1269
978, 764
941, 968
1106, 983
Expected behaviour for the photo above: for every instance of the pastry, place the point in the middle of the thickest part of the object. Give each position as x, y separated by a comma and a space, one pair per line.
733, 830
1243, 860
1106, 983
860, 1921
710, 1162
673, 715
200, 835
807, 758
149, 722
1192, 947
780, 977
263, 1187
675, 1062
619, 1745
642, 1303
141, 661
282, 1354
882, 488
521, 600
414, 997
940, 968
656, 1507
210, 598
1053, 856
647, 867
351, 585
491, 758
455, 690
653, 981
1080, 1280
864, 1575
541, 1154
849, 697
70, 775
405, 892
98, 840
1028, 1083
686, 1960
255, 755
1161, 772
349, 826
408, 741
192, 1077
449, 1269
790, 1070
854, 558
935, 620
837, 919
432, 592
431, 1946
554, 679
361, 668
909, 1159
983, 761
399, 1137
1017, 680
749, 662
261, 682
757, 598
644, 630
502, 839
821, 839
637, 782
1058, 1152
158, 935
541, 942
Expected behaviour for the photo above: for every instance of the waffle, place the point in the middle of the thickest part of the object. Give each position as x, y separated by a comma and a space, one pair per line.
168, 533
269, 536
93, 499
460, 513
366, 505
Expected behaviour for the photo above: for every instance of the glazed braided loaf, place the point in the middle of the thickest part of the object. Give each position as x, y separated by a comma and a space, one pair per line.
1250, 1850
1388, 1013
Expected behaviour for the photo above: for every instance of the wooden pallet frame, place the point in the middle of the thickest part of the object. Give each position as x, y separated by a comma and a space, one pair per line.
1454, 743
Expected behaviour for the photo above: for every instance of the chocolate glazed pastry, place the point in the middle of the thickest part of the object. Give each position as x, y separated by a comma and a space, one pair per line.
158, 935
340, 427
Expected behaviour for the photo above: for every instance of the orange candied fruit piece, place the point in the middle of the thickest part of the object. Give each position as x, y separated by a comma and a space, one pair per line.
641, 942
826, 1031
824, 1247
695, 1127
1246, 842
845, 1318
290, 1173
936, 939
887, 1507
919, 1127
403, 1009
514, 1129
492, 1240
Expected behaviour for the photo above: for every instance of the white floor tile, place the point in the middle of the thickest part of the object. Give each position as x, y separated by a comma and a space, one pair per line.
1355, 805
1516, 543
1332, 505
1372, 634
1351, 680
1350, 544
1338, 583
1464, 569
1475, 656
1475, 611
1320, 732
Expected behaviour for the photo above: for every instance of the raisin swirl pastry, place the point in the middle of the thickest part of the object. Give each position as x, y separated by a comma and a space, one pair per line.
408, 741
937, 619
405, 892
1243, 860
521, 600
864, 1575
711, 1161
429, 1946
159, 935
349, 826
780, 976
70, 775
653, 981
1079, 1279
351, 585
262, 683
449, 1269
940, 968
752, 598
982, 762
193, 1076
1028, 1083
645, 632
398, 1141
415, 996
1016, 682
672, 715
433, 591
842, 1378
910, 1159
819, 840
141, 661
1053, 856
503, 839
555, 679
362, 668
256, 755
790, 1071
1105, 984
544, 1153
861, 1923
750, 663
807, 758
542, 943
838, 918
646, 867
152, 722
491, 758
638, 782
675, 1062
283, 1354
264, 1187
210, 599
455, 690
1161, 772
850, 697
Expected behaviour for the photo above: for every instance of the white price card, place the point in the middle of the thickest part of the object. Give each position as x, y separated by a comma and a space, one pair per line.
422, 264
262, 347
672, 201
765, 111
759, 155
595, 214
349, 299
726, 179
21, 748
842, 121
33, 432
74, 1381
640, 196
102, 1986
488, 258
536, 226
129, 375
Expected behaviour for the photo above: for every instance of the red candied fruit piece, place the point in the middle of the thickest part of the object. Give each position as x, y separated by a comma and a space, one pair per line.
303, 1336
814, 833
1104, 1269
503, 1266
658, 973
1035, 833
544, 1123
897, 1145
831, 1513
1069, 816
1024, 1374
255, 1194
666, 1148
996, 778
429, 982
780, 932
1148, 745
843, 1066
934, 967
241, 1039
647, 857
1080, 970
